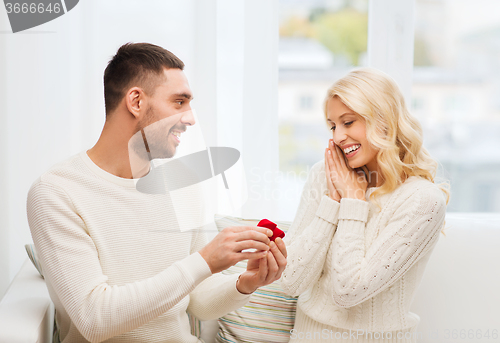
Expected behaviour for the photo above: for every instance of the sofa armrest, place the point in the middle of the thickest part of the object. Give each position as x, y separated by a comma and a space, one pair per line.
26, 311
459, 290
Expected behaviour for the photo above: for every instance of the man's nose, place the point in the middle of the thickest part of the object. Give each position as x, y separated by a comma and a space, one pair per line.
187, 118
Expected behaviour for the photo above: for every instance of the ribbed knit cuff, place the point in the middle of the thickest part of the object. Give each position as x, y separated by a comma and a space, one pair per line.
196, 266
353, 209
328, 209
233, 292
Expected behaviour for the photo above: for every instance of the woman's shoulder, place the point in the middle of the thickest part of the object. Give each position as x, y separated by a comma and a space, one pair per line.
417, 182
420, 189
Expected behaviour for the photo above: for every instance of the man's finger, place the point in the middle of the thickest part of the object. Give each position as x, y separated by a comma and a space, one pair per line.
280, 263
244, 228
254, 233
264, 230
281, 246
278, 255
272, 264
250, 244
252, 255
263, 270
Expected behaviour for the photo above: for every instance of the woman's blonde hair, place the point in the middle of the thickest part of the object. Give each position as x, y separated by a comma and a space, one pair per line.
390, 127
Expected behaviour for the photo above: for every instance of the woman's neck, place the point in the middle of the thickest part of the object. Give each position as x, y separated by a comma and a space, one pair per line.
374, 177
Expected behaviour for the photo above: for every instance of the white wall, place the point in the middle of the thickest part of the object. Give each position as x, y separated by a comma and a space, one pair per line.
51, 93
237, 78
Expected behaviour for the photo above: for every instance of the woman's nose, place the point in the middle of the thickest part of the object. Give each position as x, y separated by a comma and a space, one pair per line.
339, 136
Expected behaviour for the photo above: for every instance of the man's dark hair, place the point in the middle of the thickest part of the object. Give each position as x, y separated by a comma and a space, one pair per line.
136, 64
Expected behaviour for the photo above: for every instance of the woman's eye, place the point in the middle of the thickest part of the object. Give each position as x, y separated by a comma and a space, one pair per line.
332, 128
349, 123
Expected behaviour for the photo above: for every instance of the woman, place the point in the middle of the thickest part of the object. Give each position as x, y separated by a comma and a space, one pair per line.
369, 217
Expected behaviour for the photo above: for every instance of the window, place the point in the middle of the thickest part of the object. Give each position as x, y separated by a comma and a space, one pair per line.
306, 102
456, 69
319, 42
444, 57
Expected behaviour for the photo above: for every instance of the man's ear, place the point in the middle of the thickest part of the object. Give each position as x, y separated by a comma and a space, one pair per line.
135, 101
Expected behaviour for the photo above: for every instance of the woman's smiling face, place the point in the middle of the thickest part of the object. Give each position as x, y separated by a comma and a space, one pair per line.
349, 133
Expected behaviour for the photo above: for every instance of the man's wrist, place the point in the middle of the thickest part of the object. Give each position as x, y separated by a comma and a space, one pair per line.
241, 288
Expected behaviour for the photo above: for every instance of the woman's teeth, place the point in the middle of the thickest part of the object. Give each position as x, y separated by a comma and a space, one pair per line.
352, 148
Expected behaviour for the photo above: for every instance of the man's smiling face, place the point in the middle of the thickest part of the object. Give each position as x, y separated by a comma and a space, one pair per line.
168, 113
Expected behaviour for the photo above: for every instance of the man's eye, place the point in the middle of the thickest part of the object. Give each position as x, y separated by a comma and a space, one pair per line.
180, 102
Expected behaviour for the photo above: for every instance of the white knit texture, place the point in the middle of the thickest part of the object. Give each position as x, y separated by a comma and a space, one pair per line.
360, 270
117, 267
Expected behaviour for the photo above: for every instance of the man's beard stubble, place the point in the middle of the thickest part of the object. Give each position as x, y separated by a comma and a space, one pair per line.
149, 142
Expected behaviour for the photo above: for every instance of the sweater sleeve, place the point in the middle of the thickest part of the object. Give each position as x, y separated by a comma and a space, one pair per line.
71, 265
360, 272
310, 235
216, 295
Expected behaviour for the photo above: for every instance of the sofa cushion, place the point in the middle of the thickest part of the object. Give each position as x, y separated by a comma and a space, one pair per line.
270, 313
30, 249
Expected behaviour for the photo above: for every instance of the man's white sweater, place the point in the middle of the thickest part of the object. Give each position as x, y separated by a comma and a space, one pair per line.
116, 264
357, 266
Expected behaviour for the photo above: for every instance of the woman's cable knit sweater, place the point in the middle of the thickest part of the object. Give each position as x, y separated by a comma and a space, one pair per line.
356, 266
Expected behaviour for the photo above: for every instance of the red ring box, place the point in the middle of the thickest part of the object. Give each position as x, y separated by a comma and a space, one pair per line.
270, 225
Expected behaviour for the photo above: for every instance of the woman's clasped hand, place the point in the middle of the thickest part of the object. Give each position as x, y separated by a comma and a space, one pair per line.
342, 181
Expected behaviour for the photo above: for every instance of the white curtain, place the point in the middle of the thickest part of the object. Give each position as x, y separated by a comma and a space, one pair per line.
391, 34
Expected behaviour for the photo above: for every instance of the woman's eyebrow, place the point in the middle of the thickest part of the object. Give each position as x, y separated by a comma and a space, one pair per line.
347, 113
344, 114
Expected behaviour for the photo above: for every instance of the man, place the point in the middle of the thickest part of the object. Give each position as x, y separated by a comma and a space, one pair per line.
117, 265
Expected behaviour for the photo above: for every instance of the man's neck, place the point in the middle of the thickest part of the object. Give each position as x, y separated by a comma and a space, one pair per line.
111, 154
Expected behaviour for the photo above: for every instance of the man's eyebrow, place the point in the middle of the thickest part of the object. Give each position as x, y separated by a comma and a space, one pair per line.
183, 95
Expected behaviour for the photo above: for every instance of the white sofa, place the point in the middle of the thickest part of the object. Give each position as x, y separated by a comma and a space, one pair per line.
458, 299
26, 311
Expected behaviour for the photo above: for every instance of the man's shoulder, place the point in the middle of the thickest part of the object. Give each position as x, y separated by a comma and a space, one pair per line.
68, 170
